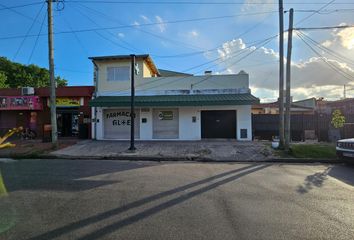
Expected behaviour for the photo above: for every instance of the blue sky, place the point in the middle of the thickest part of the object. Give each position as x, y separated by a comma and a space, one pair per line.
242, 24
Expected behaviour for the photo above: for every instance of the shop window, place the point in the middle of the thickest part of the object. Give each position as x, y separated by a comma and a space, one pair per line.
118, 73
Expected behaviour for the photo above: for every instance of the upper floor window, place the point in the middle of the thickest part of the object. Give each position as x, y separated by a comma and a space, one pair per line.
118, 73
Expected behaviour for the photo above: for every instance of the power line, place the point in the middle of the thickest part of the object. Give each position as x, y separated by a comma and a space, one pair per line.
306, 18
198, 2
101, 35
147, 24
328, 50
20, 6
28, 31
324, 28
214, 60
35, 43
333, 67
103, 14
17, 12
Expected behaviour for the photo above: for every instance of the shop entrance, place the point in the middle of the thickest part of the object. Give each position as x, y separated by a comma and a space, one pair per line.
68, 123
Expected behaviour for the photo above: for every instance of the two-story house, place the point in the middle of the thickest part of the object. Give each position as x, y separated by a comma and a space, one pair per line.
169, 105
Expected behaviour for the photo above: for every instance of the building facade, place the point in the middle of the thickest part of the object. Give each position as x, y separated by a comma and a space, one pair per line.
169, 105
30, 108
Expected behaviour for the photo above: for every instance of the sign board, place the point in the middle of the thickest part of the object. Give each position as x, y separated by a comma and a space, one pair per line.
20, 103
166, 115
117, 123
66, 102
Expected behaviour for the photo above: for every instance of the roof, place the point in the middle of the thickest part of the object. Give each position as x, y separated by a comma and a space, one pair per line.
168, 73
145, 57
68, 91
176, 100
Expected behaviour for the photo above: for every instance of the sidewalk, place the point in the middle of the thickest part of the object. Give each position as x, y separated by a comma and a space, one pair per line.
215, 150
33, 148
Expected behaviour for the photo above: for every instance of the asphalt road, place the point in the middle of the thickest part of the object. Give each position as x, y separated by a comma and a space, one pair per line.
66, 199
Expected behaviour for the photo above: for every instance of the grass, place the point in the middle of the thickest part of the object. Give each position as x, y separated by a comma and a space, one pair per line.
313, 151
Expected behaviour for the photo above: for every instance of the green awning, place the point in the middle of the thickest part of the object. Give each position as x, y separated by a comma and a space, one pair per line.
176, 100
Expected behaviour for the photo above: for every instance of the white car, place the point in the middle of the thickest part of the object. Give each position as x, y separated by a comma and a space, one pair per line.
345, 148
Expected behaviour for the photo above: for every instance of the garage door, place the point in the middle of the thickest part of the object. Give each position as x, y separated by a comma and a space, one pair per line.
117, 123
165, 124
218, 124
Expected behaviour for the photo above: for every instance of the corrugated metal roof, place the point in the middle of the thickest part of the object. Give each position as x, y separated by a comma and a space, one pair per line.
176, 100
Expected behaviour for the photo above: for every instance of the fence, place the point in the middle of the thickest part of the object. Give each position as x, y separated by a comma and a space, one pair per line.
265, 126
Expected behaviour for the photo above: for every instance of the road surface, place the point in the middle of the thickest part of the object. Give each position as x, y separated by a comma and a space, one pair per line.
89, 199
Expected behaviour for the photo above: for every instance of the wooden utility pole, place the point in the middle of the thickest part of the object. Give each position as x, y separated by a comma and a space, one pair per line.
288, 77
132, 110
281, 75
53, 113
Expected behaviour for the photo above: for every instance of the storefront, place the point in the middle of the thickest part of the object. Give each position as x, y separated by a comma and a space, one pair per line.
184, 117
33, 112
18, 111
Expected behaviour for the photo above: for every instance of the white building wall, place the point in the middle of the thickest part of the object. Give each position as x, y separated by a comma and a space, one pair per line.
146, 128
189, 130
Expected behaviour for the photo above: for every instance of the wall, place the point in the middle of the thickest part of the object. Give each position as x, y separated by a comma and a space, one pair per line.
187, 129
105, 86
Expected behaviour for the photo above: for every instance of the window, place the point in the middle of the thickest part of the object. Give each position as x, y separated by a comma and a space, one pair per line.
118, 73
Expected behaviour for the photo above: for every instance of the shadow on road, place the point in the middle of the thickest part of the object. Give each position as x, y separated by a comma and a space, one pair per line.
60, 175
230, 176
340, 172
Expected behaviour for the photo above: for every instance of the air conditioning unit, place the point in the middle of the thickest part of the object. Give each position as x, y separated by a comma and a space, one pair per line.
27, 91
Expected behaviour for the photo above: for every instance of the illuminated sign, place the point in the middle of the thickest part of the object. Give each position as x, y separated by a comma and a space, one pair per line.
20, 103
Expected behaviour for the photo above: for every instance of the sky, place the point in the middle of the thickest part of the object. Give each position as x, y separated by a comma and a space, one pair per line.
190, 36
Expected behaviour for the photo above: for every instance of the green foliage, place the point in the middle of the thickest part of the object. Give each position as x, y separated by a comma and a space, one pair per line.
313, 151
338, 119
3, 80
19, 75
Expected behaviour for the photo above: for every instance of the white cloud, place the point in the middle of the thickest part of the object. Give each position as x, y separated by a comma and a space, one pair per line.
161, 25
193, 33
249, 6
341, 38
136, 23
121, 35
145, 18
310, 78
347, 37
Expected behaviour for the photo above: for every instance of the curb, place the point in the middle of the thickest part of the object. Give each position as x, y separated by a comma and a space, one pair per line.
178, 159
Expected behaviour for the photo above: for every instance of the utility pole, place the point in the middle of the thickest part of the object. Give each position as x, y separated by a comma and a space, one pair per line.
132, 110
53, 113
288, 78
344, 93
281, 75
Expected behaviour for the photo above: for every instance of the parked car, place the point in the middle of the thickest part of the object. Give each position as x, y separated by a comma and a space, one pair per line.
345, 148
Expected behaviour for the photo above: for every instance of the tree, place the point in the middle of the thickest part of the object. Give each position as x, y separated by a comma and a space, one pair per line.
3, 80
19, 75
338, 119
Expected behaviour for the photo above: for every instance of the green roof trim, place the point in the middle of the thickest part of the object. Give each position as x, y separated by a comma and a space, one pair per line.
176, 100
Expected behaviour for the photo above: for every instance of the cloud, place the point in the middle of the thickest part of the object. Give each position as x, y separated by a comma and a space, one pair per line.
193, 34
267, 5
310, 78
145, 18
136, 24
343, 38
161, 25
347, 38
121, 35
